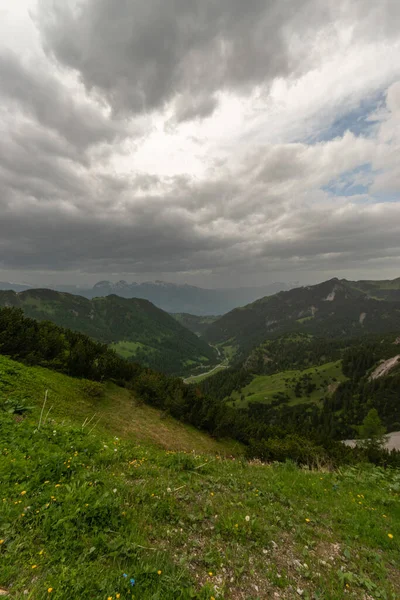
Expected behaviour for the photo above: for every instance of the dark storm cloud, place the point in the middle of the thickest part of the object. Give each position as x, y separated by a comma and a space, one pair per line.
54, 237
64, 207
183, 229
141, 54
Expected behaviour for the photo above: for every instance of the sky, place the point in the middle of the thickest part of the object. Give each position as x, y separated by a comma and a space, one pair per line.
210, 142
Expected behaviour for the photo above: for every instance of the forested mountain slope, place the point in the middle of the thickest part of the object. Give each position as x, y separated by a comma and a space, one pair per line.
335, 308
136, 328
197, 324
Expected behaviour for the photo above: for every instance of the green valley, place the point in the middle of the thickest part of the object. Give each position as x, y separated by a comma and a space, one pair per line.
120, 482
134, 327
197, 324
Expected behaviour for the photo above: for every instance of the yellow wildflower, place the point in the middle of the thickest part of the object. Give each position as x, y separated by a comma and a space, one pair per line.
34, 566
307, 520
23, 493
159, 572
50, 590
118, 596
210, 574
390, 535
1, 542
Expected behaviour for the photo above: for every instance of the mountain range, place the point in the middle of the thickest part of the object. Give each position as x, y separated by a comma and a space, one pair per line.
136, 328
334, 308
171, 297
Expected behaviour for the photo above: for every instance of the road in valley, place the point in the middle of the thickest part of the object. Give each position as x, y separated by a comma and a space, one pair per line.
393, 441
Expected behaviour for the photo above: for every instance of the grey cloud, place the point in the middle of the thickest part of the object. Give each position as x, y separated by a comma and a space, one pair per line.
60, 211
28, 165
169, 232
188, 108
140, 55
43, 97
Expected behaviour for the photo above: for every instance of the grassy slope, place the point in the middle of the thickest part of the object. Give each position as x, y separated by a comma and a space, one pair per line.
80, 510
117, 412
263, 387
135, 327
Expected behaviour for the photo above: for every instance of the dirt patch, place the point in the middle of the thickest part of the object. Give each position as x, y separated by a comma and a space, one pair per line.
385, 367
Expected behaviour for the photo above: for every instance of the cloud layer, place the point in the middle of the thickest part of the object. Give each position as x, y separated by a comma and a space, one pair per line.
183, 138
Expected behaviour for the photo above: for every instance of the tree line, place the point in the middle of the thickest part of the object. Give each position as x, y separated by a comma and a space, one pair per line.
269, 433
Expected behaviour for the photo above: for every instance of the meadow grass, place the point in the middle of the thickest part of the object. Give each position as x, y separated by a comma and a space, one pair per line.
263, 387
117, 411
79, 511
91, 513
128, 349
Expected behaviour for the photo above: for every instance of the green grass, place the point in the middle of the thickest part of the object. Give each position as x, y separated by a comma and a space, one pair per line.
129, 349
228, 350
263, 387
116, 411
79, 510
305, 319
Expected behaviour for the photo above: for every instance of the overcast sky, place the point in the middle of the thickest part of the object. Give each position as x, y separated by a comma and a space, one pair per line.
213, 142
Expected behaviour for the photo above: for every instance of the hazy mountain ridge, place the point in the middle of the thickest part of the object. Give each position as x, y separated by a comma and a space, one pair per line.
171, 297
135, 327
333, 308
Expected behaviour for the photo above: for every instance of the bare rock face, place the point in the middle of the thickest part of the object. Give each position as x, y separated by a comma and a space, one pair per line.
384, 367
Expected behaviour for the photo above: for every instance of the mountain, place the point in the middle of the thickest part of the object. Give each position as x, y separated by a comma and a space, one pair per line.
334, 308
171, 297
174, 298
134, 327
387, 289
194, 323
16, 287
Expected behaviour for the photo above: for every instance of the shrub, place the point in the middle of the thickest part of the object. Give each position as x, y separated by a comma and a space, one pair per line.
293, 447
92, 389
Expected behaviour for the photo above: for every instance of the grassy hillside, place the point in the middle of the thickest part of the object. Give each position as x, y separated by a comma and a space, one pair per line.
136, 328
292, 387
97, 515
386, 289
114, 410
332, 309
